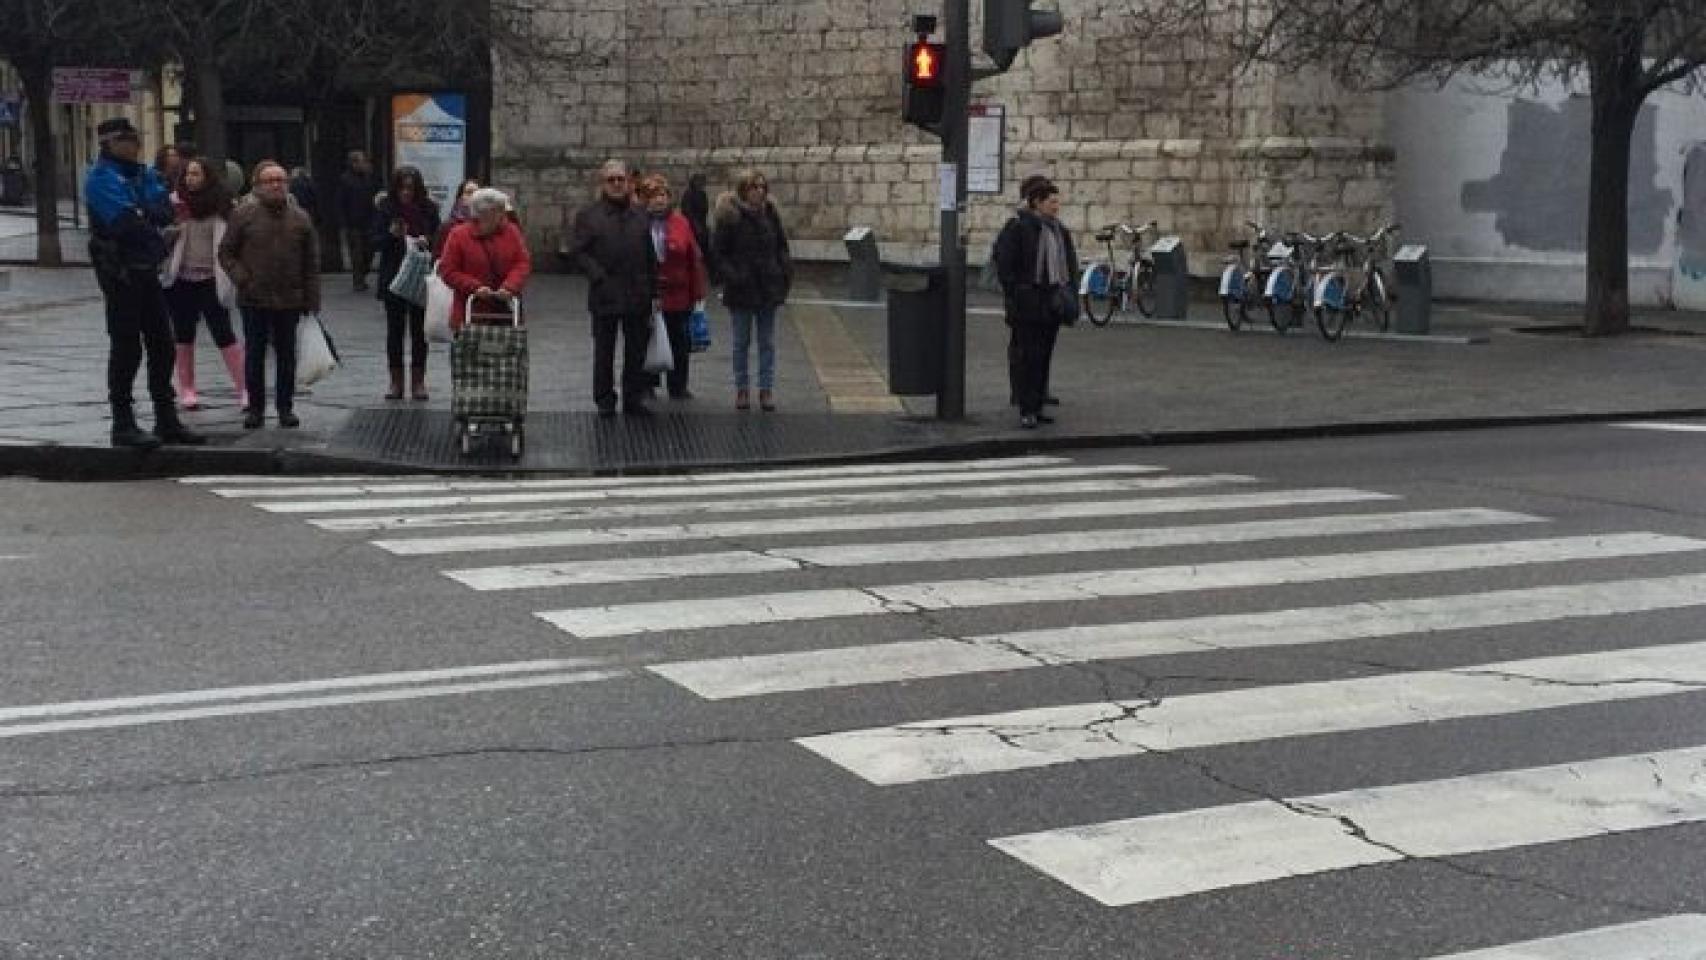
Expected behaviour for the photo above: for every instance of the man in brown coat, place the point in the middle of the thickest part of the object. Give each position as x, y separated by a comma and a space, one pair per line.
271, 254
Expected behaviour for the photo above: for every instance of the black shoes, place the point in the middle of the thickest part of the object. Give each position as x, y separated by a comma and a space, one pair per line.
127, 434
1028, 421
605, 413
1044, 418
681, 395
1051, 401
289, 421
253, 420
636, 409
169, 429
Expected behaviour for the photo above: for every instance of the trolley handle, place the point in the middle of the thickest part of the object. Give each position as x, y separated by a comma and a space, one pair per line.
508, 306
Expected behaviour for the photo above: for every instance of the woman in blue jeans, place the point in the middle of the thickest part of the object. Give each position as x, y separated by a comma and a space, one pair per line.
756, 271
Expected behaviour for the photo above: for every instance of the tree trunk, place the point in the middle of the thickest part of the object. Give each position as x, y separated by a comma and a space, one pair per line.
38, 96
209, 102
1617, 99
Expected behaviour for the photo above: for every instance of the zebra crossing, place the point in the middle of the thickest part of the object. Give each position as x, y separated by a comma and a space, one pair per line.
806, 548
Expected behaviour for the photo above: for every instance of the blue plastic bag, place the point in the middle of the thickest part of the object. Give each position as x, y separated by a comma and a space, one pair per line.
699, 329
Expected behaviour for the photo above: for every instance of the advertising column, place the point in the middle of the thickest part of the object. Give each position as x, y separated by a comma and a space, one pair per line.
430, 131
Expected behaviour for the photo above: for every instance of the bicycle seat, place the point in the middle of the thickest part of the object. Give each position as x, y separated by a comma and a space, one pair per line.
1104, 235
1240, 245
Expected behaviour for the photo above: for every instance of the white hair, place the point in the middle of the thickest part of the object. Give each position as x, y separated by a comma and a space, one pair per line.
487, 199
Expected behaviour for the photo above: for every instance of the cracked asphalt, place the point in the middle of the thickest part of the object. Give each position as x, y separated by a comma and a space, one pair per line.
629, 818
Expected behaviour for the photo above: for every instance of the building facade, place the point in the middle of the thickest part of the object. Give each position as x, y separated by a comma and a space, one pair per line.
809, 90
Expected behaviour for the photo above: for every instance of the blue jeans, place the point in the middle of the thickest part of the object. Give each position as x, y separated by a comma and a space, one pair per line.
743, 322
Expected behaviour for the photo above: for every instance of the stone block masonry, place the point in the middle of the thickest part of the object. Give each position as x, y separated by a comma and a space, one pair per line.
809, 90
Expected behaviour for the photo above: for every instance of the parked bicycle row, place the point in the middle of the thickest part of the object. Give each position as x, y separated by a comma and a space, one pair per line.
1339, 278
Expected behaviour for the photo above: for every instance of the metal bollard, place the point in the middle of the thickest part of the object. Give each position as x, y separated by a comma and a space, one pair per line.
1172, 279
864, 266
1415, 289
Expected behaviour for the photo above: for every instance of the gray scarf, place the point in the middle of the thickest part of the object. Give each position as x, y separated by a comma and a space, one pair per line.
1051, 255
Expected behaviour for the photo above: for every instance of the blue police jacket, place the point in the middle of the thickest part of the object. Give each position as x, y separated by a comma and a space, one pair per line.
128, 206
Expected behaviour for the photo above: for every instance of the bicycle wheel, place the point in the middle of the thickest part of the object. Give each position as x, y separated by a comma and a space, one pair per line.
1100, 295
1143, 289
1236, 311
1331, 321
1376, 301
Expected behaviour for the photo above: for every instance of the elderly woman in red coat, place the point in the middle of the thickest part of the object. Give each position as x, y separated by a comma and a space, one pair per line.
681, 273
485, 257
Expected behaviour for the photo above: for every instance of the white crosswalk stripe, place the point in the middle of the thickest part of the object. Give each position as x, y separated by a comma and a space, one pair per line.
355, 488
754, 488
625, 619
726, 538
575, 572
1170, 855
1026, 739
831, 502
1680, 937
751, 676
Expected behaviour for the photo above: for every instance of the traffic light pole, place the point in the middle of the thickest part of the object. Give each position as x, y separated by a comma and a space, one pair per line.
957, 78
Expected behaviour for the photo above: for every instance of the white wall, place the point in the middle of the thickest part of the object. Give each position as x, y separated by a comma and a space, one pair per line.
1505, 215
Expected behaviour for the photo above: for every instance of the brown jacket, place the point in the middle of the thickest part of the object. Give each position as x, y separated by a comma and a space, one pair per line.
271, 254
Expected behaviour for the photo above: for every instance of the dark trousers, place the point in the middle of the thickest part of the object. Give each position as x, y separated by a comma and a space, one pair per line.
360, 254
680, 345
635, 330
277, 328
1034, 353
136, 324
194, 300
1015, 364
403, 317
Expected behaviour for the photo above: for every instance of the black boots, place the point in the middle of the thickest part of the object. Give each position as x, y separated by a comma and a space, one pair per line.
171, 430
126, 433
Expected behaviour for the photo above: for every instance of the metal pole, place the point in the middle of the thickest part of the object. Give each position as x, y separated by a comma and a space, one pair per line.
956, 108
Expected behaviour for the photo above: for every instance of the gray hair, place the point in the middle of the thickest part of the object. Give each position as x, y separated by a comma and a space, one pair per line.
487, 199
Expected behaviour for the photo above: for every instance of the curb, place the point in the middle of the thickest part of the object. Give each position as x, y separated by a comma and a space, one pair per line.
71, 463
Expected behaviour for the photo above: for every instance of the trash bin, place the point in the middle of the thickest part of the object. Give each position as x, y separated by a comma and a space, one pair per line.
1415, 289
918, 307
1172, 279
864, 269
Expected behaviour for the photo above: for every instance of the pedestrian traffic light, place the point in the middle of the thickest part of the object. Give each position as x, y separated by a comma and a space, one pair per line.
924, 94
1010, 25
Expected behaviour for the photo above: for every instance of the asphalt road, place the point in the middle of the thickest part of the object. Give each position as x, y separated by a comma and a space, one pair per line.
1373, 699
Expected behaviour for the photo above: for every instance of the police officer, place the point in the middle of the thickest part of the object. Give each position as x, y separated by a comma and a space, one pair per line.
129, 207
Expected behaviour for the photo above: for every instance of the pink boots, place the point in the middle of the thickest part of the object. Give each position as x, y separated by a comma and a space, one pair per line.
186, 378
187, 397
234, 363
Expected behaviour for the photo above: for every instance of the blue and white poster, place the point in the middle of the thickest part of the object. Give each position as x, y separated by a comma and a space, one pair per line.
430, 131
11, 110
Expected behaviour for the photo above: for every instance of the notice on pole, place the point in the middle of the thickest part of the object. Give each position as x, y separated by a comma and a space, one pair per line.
986, 148
431, 135
948, 187
93, 85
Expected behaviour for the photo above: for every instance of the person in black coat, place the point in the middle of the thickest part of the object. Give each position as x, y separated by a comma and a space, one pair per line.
610, 242
1038, 267
356, 190
696, 207
756, 270
406, 214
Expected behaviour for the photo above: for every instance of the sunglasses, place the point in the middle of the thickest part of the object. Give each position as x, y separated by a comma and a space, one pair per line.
616, 178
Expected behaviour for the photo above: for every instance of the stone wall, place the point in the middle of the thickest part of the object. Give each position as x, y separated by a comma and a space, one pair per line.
809, 91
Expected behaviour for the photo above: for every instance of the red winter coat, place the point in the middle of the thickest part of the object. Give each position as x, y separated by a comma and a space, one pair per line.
471, 261
681, 276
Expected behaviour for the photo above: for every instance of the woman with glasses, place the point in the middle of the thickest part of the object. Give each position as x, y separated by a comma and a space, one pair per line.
757, 271
681, 274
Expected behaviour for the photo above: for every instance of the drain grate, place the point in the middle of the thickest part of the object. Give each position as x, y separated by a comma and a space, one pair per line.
583, 441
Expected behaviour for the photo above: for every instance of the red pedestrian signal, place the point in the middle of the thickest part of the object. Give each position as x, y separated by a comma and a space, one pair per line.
925, 64
924, 93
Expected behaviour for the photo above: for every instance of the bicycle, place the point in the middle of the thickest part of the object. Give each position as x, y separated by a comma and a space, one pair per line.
1106, 290
1337, 303
1245, 276
1290, 287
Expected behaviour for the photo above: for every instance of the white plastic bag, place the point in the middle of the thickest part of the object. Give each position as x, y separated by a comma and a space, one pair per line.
440, 299
316, 357
658, 357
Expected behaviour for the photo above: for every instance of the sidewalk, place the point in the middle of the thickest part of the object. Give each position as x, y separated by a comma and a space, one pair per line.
1125, 383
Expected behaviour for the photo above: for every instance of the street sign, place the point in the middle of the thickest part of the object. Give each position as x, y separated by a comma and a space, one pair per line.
11, 110
987, 148
92, 85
